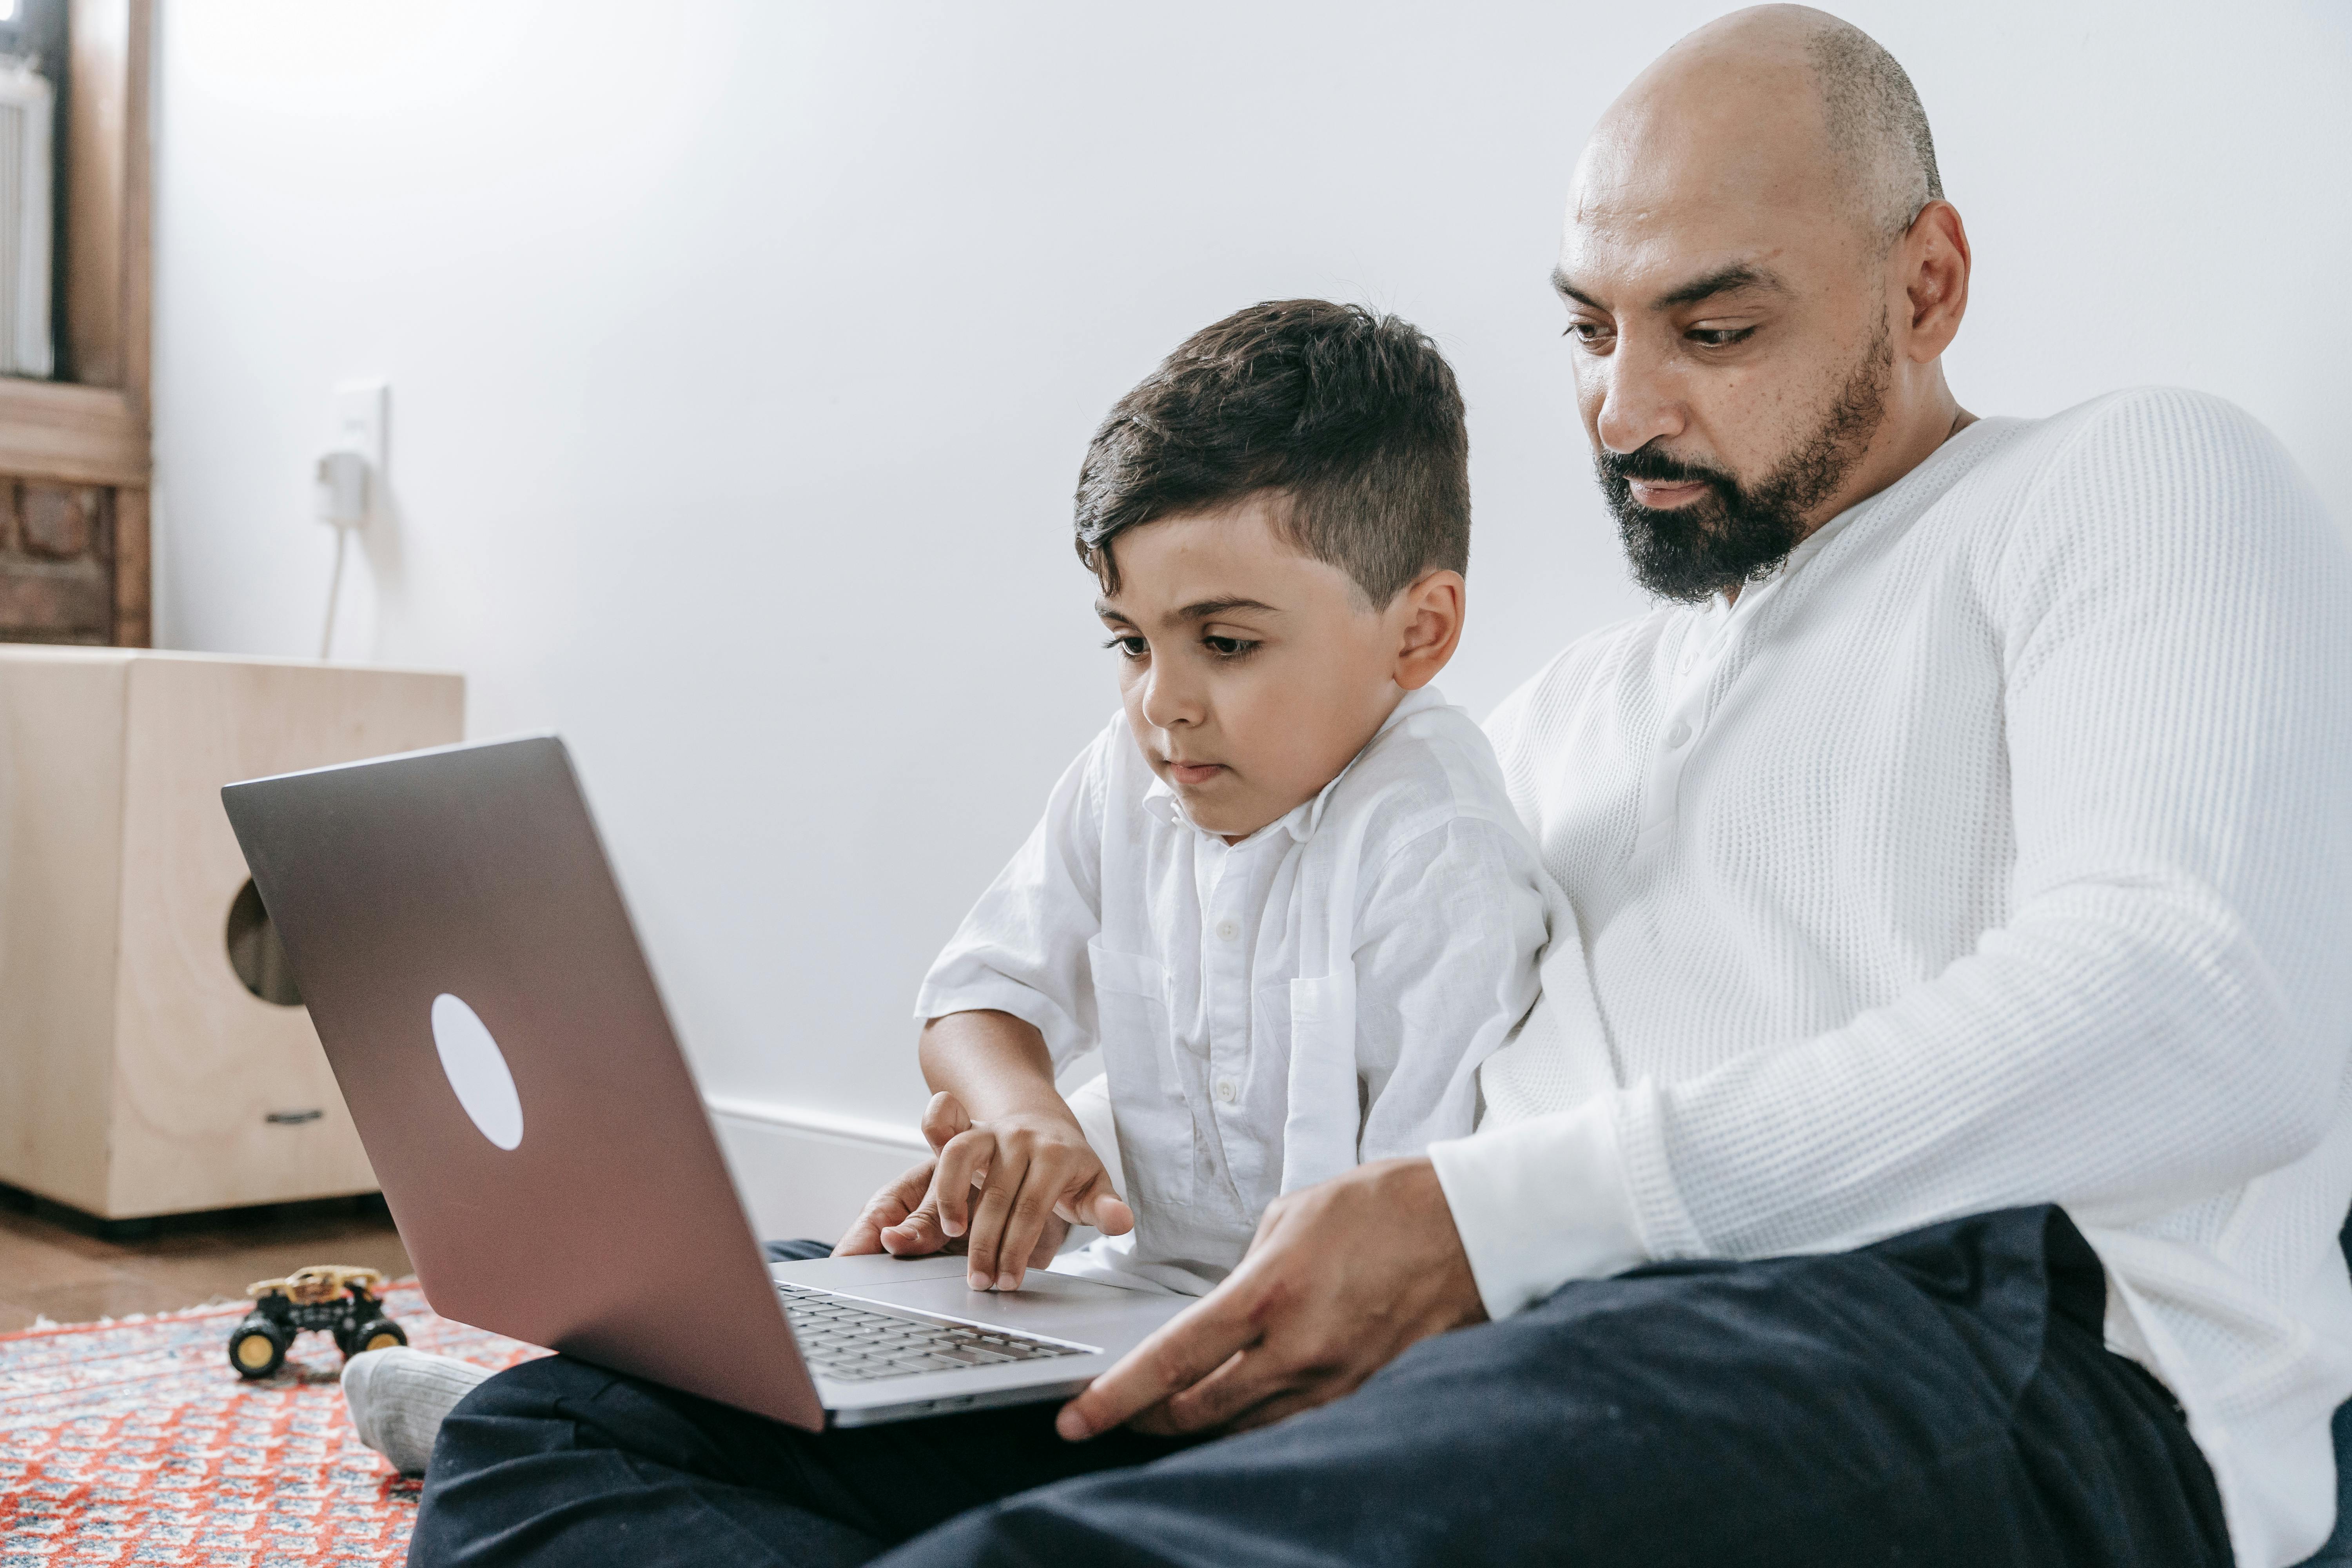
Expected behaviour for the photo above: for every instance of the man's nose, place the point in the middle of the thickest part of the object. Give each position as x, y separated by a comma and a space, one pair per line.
1641, 398
1171, 697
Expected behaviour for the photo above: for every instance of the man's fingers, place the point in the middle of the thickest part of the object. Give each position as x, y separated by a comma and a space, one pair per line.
1185, 1350
1254, 1380
1157, 1422
1283, 1408
1341, 1277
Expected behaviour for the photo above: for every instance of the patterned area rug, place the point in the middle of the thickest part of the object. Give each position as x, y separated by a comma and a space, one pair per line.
134, 1442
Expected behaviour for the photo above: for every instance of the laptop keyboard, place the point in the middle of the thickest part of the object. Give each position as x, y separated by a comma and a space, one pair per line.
850, 1341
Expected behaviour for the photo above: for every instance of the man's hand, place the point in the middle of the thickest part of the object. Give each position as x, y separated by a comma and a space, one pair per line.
1036, 1177
1340, 1280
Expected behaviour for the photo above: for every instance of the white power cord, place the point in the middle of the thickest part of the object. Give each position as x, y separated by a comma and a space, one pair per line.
334, 594
343, 503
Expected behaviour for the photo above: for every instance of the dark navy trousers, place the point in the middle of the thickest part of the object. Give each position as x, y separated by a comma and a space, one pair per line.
1939, 1398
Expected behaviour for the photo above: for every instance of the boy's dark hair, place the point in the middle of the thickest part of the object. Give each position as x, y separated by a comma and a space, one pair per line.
1352, 419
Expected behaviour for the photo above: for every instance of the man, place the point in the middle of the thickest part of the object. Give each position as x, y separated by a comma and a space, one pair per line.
1949, 1170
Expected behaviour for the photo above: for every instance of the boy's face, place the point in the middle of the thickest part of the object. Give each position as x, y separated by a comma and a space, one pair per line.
1252, 674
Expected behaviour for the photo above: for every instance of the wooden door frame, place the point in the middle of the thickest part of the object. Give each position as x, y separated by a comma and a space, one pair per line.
95, 432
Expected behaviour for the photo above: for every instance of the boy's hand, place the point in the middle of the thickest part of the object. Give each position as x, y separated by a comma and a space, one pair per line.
1037, 1177
903, 1219
892, 1208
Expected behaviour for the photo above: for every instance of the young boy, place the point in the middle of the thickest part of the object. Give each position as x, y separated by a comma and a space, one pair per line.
1283, 893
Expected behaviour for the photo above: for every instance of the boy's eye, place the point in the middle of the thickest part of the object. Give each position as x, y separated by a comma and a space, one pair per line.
1129, 647
1228, 647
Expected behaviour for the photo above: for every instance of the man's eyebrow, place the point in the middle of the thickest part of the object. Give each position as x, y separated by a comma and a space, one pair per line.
1561, 283
1722, 281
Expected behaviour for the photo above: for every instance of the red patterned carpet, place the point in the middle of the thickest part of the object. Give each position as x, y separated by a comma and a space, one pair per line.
133, 1442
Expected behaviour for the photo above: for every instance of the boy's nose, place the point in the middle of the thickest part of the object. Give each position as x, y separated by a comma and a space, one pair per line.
1170, 703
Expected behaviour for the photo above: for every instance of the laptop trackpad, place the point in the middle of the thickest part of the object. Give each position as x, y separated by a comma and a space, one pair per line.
1056, 1305
848, 1273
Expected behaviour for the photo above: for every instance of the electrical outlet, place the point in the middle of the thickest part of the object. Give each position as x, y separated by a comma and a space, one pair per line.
358, 412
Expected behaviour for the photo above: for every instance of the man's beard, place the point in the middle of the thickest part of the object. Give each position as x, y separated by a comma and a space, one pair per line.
1738, 533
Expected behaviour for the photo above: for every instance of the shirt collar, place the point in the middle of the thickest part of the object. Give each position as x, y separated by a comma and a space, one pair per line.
1159, 798
1814, 543
1756, 593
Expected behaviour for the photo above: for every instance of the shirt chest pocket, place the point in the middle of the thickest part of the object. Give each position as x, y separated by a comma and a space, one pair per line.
1323, 1109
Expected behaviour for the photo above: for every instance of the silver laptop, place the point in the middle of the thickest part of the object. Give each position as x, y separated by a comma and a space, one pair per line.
456, 933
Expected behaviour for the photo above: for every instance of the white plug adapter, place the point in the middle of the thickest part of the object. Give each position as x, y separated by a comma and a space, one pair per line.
343, 489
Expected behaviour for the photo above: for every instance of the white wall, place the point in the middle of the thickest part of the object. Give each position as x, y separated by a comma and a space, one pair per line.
742, 355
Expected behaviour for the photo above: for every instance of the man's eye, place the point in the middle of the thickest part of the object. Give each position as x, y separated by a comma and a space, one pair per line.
1129, 647
1589, 333
1228, 647
1719, 337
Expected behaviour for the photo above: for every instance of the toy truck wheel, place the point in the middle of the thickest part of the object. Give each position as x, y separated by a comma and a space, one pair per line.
258, 1347
376, 1334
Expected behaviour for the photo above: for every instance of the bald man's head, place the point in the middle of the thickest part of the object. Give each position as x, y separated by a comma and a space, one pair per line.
1761, 273
1787, 85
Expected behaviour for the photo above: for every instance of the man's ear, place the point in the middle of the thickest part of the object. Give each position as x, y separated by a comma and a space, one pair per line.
1935, 260
1428, 617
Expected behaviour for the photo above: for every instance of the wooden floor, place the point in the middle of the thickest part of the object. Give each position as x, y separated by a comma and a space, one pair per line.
60, 1265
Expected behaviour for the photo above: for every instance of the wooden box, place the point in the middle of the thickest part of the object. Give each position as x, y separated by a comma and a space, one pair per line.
140, 1071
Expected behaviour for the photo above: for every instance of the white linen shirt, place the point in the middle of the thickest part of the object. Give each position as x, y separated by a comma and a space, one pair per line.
1272, 1011
1997, 851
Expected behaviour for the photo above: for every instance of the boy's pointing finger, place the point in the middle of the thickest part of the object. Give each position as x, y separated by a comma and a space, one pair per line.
962, 1164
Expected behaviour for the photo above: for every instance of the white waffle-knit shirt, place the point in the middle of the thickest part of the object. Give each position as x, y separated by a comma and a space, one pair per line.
1997, 850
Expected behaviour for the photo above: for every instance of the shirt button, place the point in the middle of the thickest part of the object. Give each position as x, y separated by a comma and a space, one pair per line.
1678, 734
1225, 1090
1226, 931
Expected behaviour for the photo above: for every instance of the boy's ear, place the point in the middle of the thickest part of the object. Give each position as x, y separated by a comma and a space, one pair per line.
1428, 616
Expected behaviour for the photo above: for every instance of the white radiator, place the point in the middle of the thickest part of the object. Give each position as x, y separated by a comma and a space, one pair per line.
27, 113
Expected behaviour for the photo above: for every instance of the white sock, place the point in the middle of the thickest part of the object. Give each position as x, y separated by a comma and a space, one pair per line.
398, 1397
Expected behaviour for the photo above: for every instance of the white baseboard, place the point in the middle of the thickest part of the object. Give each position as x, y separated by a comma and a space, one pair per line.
808, 1173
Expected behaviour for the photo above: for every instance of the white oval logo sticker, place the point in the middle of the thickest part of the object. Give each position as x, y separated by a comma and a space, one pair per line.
477, 1070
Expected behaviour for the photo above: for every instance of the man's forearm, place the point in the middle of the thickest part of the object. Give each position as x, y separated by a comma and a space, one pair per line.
1540, 1203
995, 1063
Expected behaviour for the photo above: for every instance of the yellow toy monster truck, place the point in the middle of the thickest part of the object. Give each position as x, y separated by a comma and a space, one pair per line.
341, 1301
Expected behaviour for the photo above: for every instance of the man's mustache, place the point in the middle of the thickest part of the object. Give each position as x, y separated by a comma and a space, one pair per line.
1652, 466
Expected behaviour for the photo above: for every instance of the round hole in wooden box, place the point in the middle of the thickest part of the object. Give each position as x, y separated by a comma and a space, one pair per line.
255, 952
